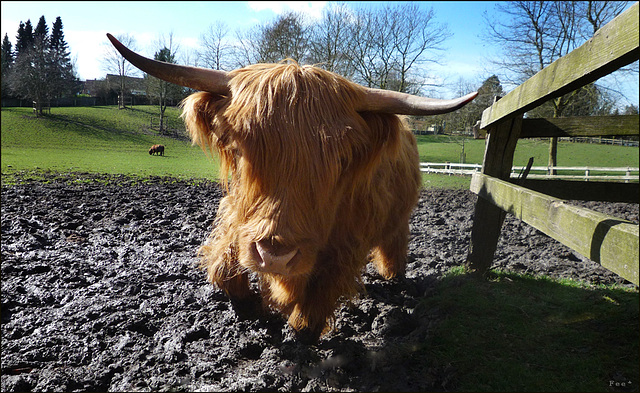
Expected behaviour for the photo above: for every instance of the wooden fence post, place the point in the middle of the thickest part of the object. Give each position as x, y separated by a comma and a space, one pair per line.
487, 221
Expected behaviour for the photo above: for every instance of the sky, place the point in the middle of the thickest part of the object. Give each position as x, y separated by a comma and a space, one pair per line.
85, 24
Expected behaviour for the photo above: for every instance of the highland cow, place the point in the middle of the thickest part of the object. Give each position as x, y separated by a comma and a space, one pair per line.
320, 174
159, 149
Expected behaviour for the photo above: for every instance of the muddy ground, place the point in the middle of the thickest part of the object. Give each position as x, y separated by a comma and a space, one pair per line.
100, 291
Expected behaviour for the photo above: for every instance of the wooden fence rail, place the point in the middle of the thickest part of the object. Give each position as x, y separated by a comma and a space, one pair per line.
607, 240
590, 173
601, 141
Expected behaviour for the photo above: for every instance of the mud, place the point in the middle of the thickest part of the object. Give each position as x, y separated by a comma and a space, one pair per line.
100, 292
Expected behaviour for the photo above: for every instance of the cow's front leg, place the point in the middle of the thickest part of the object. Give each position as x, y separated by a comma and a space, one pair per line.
313, 310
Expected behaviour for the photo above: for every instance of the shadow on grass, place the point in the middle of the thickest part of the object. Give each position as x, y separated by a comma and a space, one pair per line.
101, 129
519, 333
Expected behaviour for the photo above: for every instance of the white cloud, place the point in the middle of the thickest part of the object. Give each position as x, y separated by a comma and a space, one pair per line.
310, 8
88, 51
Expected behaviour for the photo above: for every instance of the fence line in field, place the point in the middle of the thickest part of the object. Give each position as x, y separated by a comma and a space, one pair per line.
629, 173
600, 140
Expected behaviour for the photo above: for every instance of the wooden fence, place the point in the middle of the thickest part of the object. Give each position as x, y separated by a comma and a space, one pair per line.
601, 140
625, 174
607, 240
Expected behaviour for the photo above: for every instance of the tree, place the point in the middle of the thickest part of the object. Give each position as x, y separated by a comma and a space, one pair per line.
114, 62
536, 33
41, 68
387, 45
285, 38
416, 40
384, 47
7, 64
630, 110
329, 41
163, 91
41, 33
64, 81
218, 52
24, 39
471, 113
30, 77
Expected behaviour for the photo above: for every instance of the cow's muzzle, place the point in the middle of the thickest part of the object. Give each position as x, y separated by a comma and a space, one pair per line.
274, 258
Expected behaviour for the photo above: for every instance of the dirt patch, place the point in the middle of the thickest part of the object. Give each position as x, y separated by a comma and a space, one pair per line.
100, 291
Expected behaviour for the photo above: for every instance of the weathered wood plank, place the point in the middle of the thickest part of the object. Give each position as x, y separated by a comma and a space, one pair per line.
580, 126
607, 240
613, 46
500, 146
487, 223
586, 190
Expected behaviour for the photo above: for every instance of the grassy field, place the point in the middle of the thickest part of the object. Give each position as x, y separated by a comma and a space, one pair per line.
107, 140
97, 139
444, 148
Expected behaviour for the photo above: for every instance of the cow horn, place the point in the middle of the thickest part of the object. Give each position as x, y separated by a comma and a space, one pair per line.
387, 101
204, 79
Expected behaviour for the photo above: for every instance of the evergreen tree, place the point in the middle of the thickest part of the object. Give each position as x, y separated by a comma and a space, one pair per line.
57, 36
7, 54
42, 69
41, 32
24, 39
63, 78
7, 64
490, 89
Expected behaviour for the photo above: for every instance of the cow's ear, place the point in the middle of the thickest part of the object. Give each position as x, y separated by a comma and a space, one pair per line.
201, 114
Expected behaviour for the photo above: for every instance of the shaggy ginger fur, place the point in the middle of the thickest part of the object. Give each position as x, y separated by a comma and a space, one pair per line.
303, 170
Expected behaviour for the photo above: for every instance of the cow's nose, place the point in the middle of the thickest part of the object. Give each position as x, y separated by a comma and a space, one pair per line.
274, 257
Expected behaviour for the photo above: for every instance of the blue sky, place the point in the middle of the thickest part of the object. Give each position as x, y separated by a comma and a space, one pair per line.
87, 22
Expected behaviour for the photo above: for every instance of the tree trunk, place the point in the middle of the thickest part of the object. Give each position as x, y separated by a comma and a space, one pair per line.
553, 155
558, 106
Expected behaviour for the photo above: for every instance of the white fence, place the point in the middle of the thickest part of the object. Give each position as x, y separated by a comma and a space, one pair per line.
600, 140
582, 172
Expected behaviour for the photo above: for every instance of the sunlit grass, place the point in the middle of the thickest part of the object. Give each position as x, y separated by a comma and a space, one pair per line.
103, 139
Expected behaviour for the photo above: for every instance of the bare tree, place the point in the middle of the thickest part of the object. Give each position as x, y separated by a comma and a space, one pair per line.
598, 13
418, 40
245, 47
114, 62
534, 34
389, 44
286, 37
329, 41
217, 50
362, 47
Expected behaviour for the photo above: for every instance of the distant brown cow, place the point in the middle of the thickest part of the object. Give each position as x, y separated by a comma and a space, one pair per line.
159, 149
323, 178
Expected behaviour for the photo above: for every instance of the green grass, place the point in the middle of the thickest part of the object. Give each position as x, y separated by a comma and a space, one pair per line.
519, 333
442, 148
98, 140
103, 139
